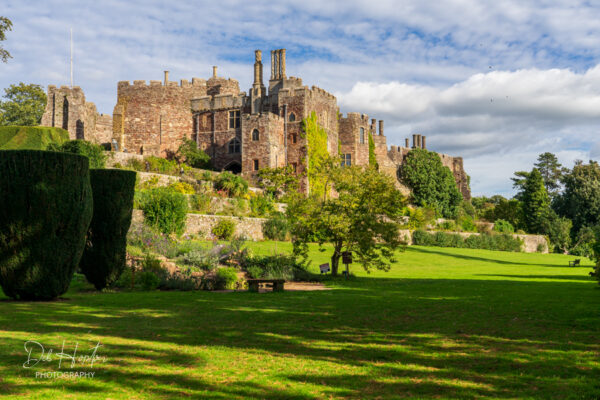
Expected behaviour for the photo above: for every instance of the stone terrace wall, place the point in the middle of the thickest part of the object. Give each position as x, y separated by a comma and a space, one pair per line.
251, 228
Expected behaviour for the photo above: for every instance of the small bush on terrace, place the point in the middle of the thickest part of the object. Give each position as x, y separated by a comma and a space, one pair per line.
261, 206
503, 226
224, 229
144, 237
201, 258
164, 210
182, 187
234, 185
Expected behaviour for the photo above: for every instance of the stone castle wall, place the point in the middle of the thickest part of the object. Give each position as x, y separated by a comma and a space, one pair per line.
67, 108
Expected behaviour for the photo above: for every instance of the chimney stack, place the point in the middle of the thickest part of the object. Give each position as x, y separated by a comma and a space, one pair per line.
423, 145
277, 64
214, 71
380, 127
418, 141
258, 75
166, 77
407, 143
414, 146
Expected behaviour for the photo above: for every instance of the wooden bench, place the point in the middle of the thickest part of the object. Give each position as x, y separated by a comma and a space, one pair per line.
276, 284
575, 263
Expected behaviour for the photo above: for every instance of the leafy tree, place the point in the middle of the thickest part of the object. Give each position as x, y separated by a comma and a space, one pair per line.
189, 153
431, 183
5, 25
278, 181
507, 210
558, 230
552, 172
364, 218
24, 106
536, 202
580, 200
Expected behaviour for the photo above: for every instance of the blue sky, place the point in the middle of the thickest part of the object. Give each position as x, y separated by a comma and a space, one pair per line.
495, 82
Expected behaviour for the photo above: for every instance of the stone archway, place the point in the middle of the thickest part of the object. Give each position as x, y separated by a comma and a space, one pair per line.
233, 167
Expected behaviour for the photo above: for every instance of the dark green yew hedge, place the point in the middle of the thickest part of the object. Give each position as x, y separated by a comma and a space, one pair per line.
103, 260
45, 211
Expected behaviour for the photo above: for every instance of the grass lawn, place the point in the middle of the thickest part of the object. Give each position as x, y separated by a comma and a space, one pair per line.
442, 323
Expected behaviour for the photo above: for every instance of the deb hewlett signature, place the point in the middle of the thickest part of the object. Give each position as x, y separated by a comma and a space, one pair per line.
70, 355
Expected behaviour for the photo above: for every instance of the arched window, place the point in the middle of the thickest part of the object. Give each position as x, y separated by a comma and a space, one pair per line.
235, 147
255, 135
292, 117
362, 135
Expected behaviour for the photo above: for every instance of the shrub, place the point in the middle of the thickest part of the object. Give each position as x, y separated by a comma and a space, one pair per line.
93, 151
226, 278
136, 164
103, 259
31, 137
447, 226
201, 203
279, 266
143, 236
234, 185
164, 209
182, 187
45, 211
261, 206
189, 153
503, 226
421, 217
201, 258
466, 223
224, 229
149, 280
276, 227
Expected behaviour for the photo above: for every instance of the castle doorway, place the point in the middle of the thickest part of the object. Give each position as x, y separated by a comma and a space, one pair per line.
233, 167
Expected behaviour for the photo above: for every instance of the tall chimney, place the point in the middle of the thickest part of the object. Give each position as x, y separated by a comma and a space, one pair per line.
258, 79
423, 144
414, 146
166, 77
418, 141
380, 127
407, 143
214, 71
282, 63
272, 64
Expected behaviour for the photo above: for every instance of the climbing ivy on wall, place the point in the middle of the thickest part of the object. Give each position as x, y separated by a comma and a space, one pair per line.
372, 158
318, 156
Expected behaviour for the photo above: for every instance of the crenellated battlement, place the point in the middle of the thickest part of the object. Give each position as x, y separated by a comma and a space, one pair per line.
183, 83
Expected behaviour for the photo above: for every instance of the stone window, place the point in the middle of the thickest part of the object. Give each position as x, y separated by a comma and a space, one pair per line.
234, 147
255, 162
362, 135
234, 119
295, 167
294, 138
346, 160
292, 117
255, 135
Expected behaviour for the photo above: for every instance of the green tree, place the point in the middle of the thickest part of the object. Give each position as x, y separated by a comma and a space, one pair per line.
431, 183
276, 182
364, 218
5, 25
552, 172
93, 151
189, 153
519, 183
580, 201
24, 105
558, 230
536, 203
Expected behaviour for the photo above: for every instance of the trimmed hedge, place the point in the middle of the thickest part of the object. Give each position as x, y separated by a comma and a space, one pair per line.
502, 242
30, 137
45, 211
103, 259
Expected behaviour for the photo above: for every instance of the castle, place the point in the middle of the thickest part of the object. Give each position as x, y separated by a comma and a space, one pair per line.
241, 132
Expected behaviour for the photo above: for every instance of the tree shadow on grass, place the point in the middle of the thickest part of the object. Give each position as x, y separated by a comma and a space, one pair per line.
378, 338
559, 277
